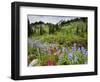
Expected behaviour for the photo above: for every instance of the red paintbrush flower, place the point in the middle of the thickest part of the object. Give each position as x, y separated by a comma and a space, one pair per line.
50, 51
51, 63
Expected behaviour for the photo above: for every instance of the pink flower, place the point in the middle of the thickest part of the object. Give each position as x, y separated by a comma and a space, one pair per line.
50, 51
51, 63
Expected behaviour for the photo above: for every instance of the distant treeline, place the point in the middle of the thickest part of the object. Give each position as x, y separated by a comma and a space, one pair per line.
39, 28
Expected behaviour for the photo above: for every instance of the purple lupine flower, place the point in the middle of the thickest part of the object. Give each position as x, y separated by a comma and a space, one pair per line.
82, 49
75, 59
70, 56
86, 53
79, 49
73, 49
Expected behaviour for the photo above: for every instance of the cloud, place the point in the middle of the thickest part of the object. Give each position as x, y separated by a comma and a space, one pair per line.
48, 18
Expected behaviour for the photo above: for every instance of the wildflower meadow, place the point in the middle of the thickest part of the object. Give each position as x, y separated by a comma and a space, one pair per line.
57, 40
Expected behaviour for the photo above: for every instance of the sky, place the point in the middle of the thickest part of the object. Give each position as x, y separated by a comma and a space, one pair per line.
48, 18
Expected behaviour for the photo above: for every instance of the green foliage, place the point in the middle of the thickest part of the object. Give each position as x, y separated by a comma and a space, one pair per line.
75, 32
32, 54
